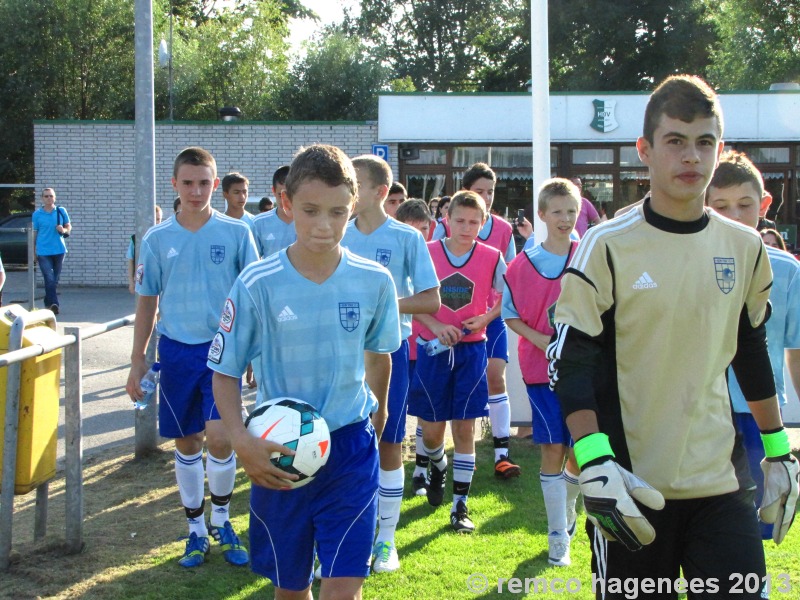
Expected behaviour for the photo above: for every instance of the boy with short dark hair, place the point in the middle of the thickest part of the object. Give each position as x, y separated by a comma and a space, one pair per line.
451, 385
274, 230
186, 267
396, 197
497, 233
235, 188
322, 322
533, 282
414, 212
654, 307
737, 192
402, 250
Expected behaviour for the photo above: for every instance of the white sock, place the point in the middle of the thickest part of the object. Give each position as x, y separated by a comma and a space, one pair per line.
390, 495
221, 473
190, 476
573, 488
463, 469
554, 490
500, 417
437, 456
421, 466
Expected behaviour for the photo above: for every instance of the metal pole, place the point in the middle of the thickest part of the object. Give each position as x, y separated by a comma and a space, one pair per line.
10, 445
145, 158
40, 514
540, 88
146, 438
73, 442
171, 17
31, 270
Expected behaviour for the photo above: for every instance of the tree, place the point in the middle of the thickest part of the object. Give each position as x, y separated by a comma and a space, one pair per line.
758, 43
338, 79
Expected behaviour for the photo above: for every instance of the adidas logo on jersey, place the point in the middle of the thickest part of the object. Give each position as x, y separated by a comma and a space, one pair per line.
645, 282
286, 315
172, 252
270, 237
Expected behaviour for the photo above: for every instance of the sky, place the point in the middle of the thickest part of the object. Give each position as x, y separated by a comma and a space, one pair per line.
329, 11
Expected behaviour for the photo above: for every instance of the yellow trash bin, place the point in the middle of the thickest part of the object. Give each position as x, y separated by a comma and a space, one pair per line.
37, 432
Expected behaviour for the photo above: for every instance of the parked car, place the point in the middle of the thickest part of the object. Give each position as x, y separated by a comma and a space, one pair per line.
14, 244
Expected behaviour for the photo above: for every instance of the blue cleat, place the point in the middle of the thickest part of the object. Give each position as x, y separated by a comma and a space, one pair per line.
232, 551
196, 550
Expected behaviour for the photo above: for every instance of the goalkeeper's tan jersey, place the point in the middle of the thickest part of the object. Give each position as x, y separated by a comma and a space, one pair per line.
660, 301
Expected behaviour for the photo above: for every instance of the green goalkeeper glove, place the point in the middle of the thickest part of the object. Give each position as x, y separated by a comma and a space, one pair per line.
610, 494
781, 475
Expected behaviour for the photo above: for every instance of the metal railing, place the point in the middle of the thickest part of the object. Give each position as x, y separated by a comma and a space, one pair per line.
71, 341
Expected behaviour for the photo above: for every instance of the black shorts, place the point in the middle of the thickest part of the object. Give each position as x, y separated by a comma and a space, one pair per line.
714, 541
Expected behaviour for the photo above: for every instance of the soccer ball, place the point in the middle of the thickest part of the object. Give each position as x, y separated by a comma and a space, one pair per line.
296, 425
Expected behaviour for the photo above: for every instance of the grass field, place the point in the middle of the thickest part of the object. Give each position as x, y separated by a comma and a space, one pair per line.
133, 520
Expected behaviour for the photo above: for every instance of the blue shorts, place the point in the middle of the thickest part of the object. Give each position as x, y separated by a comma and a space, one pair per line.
497, 339
338, 510
445, 388
395, 429
548, 423
186, 399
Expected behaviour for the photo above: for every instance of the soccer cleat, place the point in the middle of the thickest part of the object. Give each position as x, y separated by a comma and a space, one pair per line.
572, 520
196, 550
505, 469
459, 519
384, 558
436, 486
420, 485
232, 551
318, 572
559, 550
54, 308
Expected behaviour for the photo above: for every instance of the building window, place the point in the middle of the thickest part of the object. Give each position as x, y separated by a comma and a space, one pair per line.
430, 156
768, 155
593, 156
629, 157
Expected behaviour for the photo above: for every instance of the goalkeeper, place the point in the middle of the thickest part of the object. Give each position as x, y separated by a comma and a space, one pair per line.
654, 307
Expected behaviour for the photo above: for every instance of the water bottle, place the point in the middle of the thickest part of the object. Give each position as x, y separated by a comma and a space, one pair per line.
434, 347
148, 384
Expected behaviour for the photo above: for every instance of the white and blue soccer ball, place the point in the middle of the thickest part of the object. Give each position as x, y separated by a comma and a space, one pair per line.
296, 425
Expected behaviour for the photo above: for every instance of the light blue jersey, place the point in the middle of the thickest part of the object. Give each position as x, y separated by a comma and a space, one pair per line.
401, 249
248, 219
531, 241
192, 272
310, 338
439, 233
783, 327
546, 263
271, 233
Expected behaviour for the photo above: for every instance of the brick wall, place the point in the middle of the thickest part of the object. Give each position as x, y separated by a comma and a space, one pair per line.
91, 167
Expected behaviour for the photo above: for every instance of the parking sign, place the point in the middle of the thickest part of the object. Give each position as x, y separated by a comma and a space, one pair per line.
381, 151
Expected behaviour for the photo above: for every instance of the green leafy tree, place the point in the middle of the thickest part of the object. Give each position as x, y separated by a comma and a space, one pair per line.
759, 43
338, 79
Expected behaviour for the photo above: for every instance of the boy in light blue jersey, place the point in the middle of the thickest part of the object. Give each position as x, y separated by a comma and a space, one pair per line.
737, 191
235, 190
322, 322
186, 267
274, 229
401, 249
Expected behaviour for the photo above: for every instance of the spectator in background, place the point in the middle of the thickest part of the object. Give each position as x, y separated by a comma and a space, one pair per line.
433, 204
773, 238
441, 208
266, 204
131, 255
50, 226
588, 215
397, 195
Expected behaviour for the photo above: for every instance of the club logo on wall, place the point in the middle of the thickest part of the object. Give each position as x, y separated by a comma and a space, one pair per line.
604, 119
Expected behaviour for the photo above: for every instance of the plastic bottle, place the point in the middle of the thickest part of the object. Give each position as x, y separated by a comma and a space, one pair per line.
148, 384
434, 347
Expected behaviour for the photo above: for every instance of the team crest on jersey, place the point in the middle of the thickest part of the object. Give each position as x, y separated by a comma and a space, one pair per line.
383, 256
217, 348
139, 274
217, 254
228, 315
349, 315
725, 271
456, 291
551, 315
